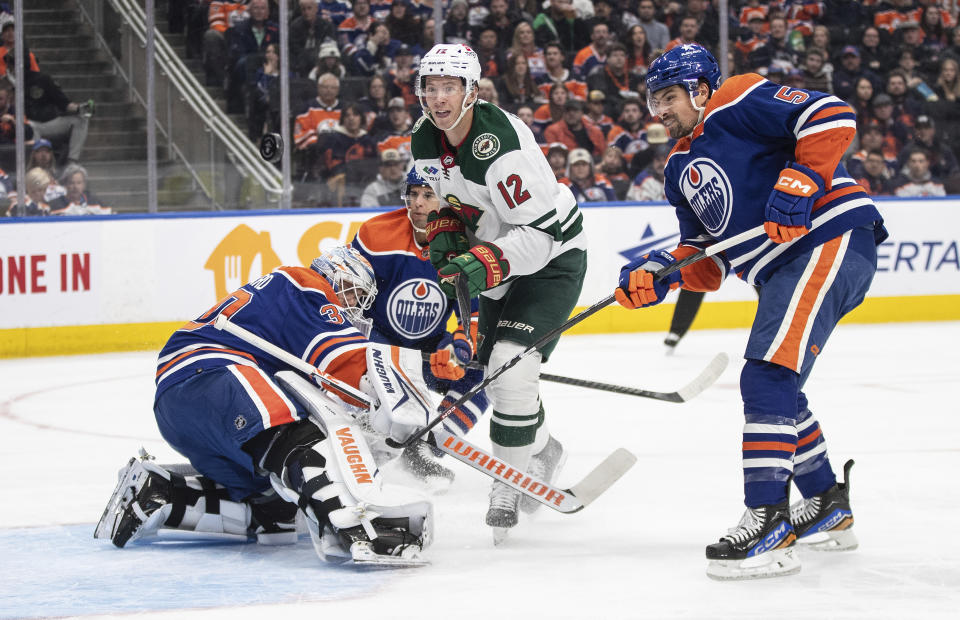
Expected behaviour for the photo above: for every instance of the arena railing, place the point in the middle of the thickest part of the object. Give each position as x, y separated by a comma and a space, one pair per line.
186, 112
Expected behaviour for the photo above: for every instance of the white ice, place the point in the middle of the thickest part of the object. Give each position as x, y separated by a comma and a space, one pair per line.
885, 395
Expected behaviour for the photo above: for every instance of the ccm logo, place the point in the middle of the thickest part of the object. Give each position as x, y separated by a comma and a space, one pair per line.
795, 186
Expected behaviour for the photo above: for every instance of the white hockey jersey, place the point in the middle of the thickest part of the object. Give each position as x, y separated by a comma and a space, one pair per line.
501, 186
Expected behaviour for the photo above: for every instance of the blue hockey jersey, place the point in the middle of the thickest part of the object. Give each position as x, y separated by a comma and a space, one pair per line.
292, 307
410, 310
720, 177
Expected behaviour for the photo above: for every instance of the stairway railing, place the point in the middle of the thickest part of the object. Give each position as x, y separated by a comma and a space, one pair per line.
186, 113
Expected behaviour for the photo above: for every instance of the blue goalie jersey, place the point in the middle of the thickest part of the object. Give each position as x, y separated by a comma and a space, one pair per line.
719, 180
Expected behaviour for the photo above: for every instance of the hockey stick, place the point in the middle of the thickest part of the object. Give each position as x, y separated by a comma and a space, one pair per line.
705, 379
603, 303
334, 385
569, 500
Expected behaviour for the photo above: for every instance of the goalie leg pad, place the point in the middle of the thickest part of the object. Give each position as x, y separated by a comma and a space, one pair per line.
304, 469
151, 497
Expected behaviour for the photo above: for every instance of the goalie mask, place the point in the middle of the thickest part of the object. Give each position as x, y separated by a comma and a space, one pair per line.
449, 60
353, 280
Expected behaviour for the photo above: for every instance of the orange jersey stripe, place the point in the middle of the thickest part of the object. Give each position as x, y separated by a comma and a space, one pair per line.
788, 354
809, 438
769, 445
195, 351
349, 367
325, 346
837, 193
277, 409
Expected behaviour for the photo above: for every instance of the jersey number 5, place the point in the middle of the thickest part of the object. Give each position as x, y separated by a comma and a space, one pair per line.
791, 96
519, 196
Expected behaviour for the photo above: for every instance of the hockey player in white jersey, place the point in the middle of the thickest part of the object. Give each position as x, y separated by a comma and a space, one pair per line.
517, 237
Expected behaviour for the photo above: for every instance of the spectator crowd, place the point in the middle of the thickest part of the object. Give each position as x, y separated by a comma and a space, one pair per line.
572, 70
54, 129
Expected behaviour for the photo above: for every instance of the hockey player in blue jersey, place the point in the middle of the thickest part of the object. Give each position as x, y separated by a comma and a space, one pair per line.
258, 455
752, 154
411, 311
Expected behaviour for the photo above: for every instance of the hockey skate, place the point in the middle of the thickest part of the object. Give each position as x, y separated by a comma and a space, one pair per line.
762, 545
546, 466
502, 514
393, 545
421, 460
824, 522
151, 497
670, 343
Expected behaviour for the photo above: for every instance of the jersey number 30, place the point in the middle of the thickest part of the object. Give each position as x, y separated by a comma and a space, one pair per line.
519, 195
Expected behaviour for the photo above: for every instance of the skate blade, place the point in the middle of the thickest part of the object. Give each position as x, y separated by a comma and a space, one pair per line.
130, 480
500, 535
363, 555
834, 540
776, 563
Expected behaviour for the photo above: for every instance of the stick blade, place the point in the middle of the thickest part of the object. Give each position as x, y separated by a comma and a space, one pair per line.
603, 476
705, 379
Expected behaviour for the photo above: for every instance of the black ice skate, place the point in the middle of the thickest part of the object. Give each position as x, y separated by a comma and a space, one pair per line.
546, 466
391, 543
421, 460
824, 522
140, 493
670, 342
502, 514
762, 545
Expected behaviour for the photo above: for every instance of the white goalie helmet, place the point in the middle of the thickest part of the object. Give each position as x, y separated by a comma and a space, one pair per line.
449, 60
353, 280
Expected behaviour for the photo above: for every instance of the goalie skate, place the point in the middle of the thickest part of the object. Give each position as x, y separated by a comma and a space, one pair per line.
138, 495
390, 544
824, 522
762, 545
546, 466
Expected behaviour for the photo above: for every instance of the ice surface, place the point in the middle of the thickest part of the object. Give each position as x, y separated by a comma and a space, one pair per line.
884, 394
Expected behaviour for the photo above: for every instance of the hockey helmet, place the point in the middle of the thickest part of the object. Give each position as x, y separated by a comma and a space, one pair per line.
415, 180
449, 60
352, 278
684, 65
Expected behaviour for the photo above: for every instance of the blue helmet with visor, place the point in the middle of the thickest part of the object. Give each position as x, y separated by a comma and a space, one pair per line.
684, 65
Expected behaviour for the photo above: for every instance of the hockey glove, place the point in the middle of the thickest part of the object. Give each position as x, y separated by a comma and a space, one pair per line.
787, 213
446, 236
483, 266
453, 353
639, 287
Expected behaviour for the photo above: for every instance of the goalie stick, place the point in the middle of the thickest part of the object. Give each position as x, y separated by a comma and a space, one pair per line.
574, 499
555, 332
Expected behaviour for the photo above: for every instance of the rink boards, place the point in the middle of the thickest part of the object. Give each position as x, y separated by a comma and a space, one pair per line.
78, 285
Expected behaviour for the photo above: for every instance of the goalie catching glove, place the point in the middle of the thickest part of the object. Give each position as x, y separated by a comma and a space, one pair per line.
453, 353
483, 266
446, 236
639, 286
788, 209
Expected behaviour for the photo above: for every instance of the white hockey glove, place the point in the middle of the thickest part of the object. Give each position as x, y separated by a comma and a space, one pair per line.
395, 377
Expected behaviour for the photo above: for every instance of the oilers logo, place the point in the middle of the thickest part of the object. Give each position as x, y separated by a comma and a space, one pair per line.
708, 190
416, 307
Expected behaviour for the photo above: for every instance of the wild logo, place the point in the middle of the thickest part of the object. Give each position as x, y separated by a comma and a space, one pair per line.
486, 146
469, 214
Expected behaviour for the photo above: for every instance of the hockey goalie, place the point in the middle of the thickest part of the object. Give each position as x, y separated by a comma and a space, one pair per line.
266, 442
